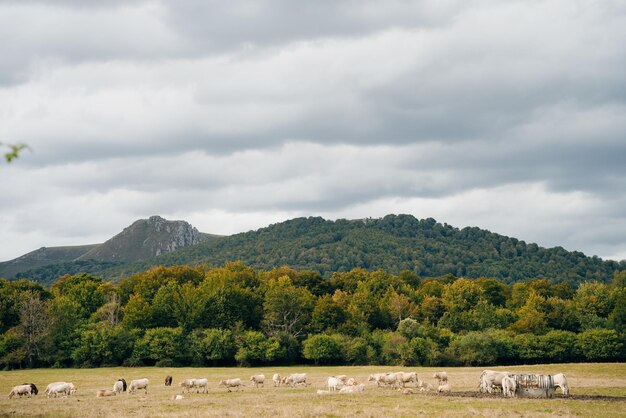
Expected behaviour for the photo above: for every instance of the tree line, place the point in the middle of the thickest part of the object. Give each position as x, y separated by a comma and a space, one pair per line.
236, 315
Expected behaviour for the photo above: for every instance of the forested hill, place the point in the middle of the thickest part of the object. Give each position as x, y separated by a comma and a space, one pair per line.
393, 243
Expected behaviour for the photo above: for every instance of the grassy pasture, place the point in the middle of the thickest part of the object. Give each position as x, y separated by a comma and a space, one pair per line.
587, 381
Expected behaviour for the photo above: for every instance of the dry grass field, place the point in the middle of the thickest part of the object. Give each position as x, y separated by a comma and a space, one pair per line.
597, 390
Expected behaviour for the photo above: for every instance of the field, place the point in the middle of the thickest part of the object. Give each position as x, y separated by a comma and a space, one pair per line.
597, 390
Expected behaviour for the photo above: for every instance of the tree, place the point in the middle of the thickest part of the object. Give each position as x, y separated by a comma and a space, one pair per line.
327, 315
398, 305
474, 349
462, 295
103, 345
600, 344
255, 348
323, 349
287, 308
217, 346
34, 325
110, 312
161, 346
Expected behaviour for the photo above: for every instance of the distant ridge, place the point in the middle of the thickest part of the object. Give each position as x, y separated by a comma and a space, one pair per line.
42, 257
394, 243
145, 238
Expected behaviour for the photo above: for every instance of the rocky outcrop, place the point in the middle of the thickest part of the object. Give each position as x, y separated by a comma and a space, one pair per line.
146, 238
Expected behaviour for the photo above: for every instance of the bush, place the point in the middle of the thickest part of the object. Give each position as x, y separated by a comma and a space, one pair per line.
217, 346
103, 346
417, 351
559, 346
161, 343
600, 344
474, 349
255, 348
323, 349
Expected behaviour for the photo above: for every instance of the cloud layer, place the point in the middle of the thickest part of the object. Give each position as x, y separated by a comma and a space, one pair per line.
509, 116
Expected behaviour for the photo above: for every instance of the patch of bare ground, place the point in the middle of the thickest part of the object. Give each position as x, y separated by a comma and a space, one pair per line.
470, 394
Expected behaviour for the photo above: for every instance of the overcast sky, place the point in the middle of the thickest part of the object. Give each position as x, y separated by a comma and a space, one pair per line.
506, 115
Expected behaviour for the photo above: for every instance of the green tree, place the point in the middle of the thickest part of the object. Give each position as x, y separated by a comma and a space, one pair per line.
255, 348
86, 290
217, 346
600, 345
137, 313
462, 295
474, 349
287, 308
417, 351
164, 346
103, 346
327, 315
34, 325
558, 346
323, 349
65, 329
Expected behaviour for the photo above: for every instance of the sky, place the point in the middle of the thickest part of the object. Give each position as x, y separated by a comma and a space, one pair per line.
233, 115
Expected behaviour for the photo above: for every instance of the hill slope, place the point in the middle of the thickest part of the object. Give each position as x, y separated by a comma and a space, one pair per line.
42, 257
145, 238
393, 243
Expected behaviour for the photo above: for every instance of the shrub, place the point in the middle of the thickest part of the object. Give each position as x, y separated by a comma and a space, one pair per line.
255, 348
323, 349
600, 344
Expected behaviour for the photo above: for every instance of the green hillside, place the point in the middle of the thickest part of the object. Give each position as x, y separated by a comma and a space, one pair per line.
43, 257
393, 243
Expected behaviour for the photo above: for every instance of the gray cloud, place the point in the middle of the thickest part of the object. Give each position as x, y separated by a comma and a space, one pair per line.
509, 116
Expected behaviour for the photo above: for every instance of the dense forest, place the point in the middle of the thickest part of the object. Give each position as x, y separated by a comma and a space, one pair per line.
182, 315
394, 243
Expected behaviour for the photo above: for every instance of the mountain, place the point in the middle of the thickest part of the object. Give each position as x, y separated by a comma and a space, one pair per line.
393, 243
42, 257
145, 238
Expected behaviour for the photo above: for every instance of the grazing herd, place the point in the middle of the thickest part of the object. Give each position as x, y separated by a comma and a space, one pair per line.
507, 383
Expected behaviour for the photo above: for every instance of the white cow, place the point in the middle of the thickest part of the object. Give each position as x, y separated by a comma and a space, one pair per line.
508, 387
119, 386
135, 385
258, 379
334, 384
490, 379
201, 384
21, 390
561, 381
353, 389
50, 385
187, 385
57, 388
352, 382
231, 383
296, 379
276, 379
342, 377
376, 377
444, 388
441, 377
406, 377
390, 379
